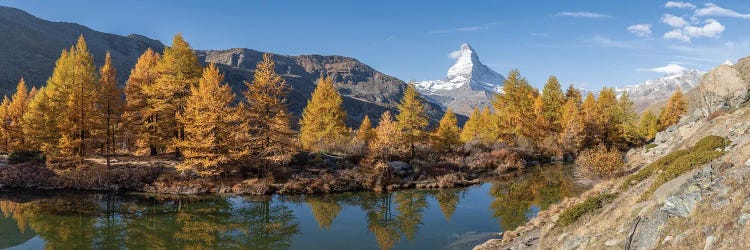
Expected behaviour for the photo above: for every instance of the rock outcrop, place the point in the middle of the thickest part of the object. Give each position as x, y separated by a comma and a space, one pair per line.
722, 89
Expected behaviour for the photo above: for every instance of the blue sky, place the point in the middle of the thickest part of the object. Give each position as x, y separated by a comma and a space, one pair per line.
589, 43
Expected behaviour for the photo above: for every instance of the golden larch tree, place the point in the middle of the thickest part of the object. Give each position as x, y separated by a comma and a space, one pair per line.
365, 133
177, 71
470, 131
516, 103
676, 107
572, 121
387, 143
39, 124
109, 105
72, 93
268, 139
553, 99
589, 112
210, 121
5, 123
649, 125
573, 94
17, 108
447, 136
412, 118
323, 120
138, 116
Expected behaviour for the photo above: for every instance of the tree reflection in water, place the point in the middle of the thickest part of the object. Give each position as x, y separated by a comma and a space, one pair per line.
106, 221
541, 188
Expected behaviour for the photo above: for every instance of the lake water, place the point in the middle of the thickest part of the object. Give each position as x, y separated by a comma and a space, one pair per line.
412, 219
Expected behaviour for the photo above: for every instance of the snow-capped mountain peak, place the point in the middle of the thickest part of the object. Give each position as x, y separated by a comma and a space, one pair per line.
468, 83
467, 70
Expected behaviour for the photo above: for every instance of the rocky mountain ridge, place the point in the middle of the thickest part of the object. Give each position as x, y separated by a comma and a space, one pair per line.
660, 89
35, 45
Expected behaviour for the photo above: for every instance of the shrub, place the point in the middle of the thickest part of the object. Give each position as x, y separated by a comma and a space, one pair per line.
679, 162
25, 156
601, 162
499, 159
572, 214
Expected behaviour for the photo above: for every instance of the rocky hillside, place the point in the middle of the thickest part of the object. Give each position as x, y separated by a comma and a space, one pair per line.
689, 205
35, 45
30, 47
366, 91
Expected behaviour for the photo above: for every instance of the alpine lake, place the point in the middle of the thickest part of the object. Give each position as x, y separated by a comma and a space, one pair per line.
409, 219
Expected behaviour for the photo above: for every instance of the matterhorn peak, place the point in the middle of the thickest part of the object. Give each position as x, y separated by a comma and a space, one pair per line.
468, 83
466, 60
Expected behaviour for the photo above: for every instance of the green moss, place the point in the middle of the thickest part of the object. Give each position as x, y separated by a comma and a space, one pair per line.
679, 162
573, 213
650, 146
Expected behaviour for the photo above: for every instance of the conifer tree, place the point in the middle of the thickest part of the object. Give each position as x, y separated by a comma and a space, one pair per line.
71, 91
515, 104
109, 104
269, 137
589, 112
177, 70
39, 124
627, 121
574, 94
412, 118
541, 122
572, 135
323, 119
489, 129
676, 107
470, 131
553, 99
210, 122
447, 137
365, 133
387, 141
607, 117
15, 111
138, 115
649, 125
5, 123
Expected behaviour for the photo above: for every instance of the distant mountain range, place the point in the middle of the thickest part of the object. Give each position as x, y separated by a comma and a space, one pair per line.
648, 93
33, 45
468, 84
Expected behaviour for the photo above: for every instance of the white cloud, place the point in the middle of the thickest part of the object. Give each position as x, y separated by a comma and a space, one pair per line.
582, 14
674, 21
681, 5
454, 54
669, 69
677, 34
714, 10
640, 30
712, 28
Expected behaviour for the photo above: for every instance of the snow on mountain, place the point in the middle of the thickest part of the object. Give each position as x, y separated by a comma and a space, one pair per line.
468, 84
660, 89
